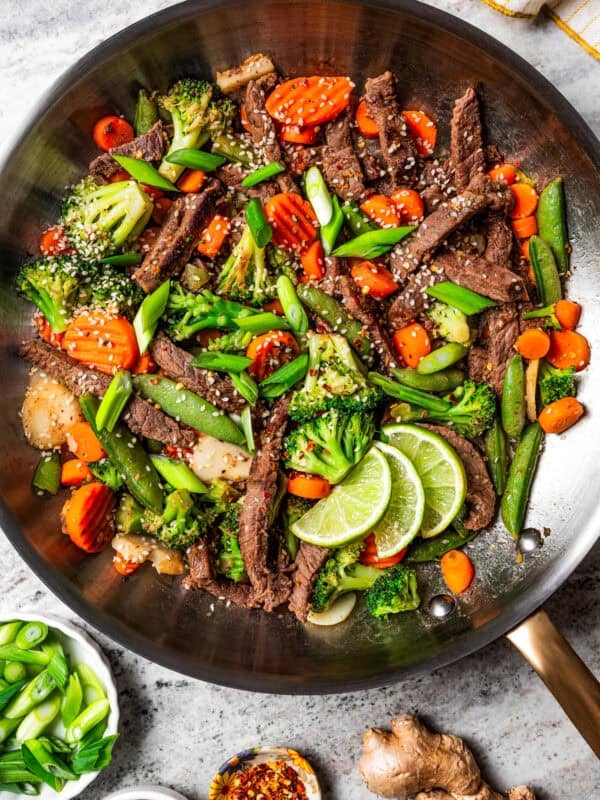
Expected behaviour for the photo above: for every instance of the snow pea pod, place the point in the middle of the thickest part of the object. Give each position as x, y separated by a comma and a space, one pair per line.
444, 381
546, 274
46, 477
146, 113
497, 455
512, 402
433, 549
552, 222
520, 478
441, 358
189, 408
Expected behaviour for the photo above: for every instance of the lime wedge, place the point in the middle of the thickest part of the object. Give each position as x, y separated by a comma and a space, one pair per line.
354, 506
402, 520
441, 472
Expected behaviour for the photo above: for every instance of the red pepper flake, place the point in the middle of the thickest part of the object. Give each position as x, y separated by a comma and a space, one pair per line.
272, 780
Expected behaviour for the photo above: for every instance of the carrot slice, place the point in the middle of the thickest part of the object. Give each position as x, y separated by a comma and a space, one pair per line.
54, 242
244, 118
111, 132
144, 365
83, 442
293, 221
270, 351
568, 349
74, 472
424, 131
533, 343
86, 517
365, 124
120, 175
567, 313
374, 279
457, 571
382, 210
309, 101
297, 135
152, 191
105, 342
161, 209
504, 172
370, 558
45, 331
409, 205
213, 237
525, 227
311, 487
125, 567
275, 307
191, 181
412, 343
560, 415
526, 200
313, 261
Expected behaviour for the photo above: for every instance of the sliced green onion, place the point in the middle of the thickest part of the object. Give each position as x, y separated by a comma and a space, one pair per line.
7, 726
259, 225
149, 313
46, 765
7, 694
330, 232
284, 378
72, 700
90, 683
123, 259
14, 672
263, 174
246, 420
8, 631
373, 243
38, 719
95, 755
222, 362
318, 195
90, 716
292, 307
9, 652
458, 297
177, 474
57, 666
245, 385
145, 173
262, 323
46, 477
33, 693
31, 634
196, 159
357, 221
114, 401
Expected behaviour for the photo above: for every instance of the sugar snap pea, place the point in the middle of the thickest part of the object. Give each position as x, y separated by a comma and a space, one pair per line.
520, 478
444, 381
512, 402
433, 549
497, 455
146, 113
552, 222
547, 279
441, 358
189, 407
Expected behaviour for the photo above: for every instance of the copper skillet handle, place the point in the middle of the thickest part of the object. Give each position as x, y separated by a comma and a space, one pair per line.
563, 672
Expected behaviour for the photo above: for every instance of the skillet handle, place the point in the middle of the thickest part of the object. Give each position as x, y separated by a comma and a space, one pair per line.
563, 672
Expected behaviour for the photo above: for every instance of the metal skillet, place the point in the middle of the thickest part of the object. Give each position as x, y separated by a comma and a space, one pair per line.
436, 57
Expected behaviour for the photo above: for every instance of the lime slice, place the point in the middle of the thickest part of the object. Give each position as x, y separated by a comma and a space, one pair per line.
402, 520
441, 472
354, 506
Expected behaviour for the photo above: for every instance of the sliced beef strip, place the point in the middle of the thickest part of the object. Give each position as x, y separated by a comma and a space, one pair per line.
499, 332
498, 194
481, 497
412, 300
301, 157
179, 234
340, 162
435, 184
202, 576
499, 239
466, 140
262, 128
397, 145
141, 417
309, 560
271, 588
478, 275
371, 166
176, 363
149, 147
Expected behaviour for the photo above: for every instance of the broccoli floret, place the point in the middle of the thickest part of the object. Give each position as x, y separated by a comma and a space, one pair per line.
231, 342
340, 574
99, 219
188, 312
334, 379
450, 323
555, 384
282, 262
244, 275
180, 524
106, 472
330, 444
229, 557
394, 591
220, 115
547, 315
61, 286
187, 101
129, 515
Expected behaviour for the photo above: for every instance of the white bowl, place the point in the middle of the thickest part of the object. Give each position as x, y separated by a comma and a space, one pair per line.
146, 792
81, 648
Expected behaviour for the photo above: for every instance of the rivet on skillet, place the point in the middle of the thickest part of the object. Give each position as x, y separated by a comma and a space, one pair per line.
530, 540
441, 605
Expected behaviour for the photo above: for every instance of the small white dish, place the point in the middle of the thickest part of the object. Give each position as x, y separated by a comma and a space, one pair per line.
146, 792
80, 648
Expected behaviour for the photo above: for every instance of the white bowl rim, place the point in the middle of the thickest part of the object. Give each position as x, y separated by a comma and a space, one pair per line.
146, 791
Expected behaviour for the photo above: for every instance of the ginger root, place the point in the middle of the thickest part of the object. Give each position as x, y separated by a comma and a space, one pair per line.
411, 761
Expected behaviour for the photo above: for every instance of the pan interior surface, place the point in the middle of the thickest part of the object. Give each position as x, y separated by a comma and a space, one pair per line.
435, 58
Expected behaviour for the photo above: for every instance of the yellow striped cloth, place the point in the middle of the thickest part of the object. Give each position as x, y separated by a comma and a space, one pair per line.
579, 18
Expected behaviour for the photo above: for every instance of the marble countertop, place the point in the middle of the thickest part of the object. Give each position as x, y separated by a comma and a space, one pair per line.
176, 731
